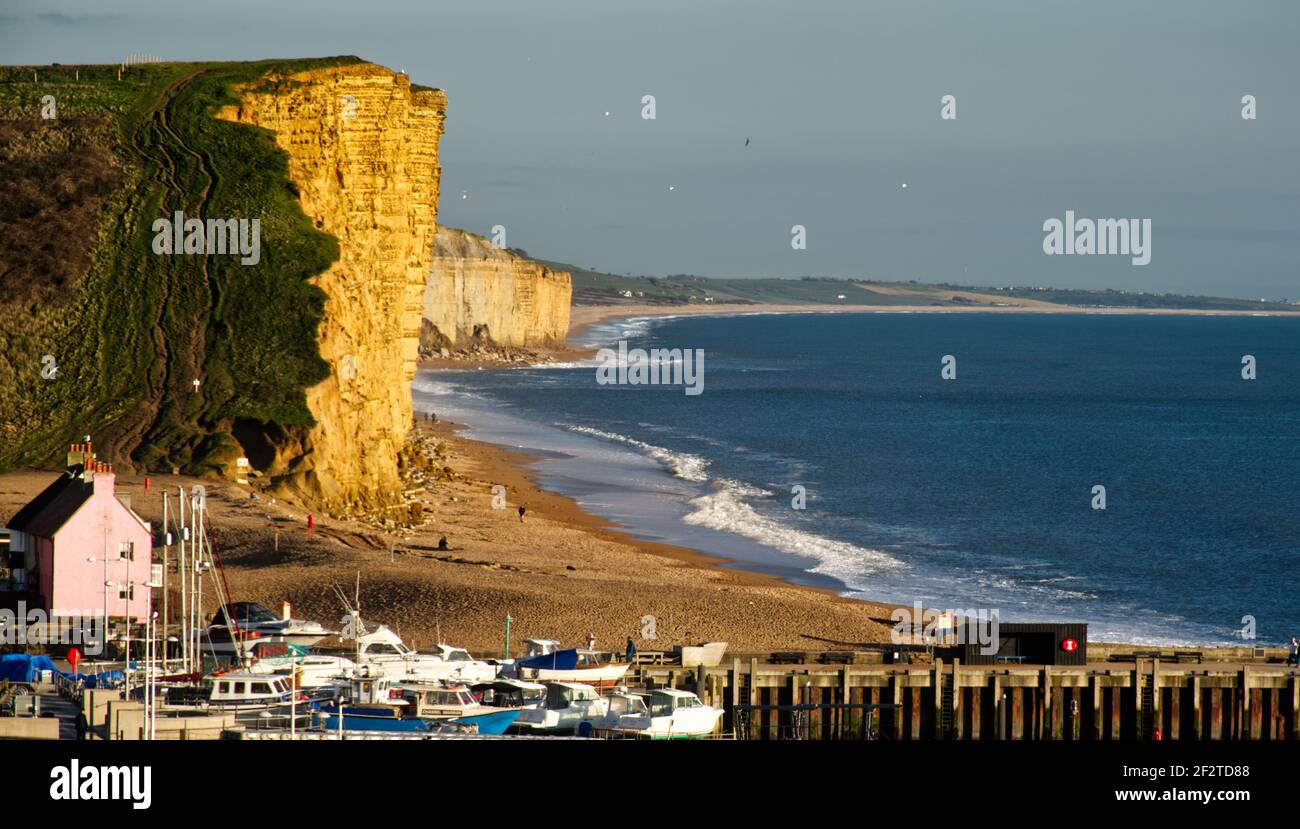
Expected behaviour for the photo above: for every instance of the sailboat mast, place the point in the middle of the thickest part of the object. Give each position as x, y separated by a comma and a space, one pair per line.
185, 584
167, 543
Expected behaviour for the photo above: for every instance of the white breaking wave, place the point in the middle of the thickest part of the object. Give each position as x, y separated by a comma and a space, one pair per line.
590, 362
425, 385
684, 465
725, 510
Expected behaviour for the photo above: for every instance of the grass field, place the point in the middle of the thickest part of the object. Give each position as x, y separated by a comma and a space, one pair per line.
129, 329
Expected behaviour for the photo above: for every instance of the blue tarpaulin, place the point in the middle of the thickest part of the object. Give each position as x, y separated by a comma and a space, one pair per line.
22, 667
103, 679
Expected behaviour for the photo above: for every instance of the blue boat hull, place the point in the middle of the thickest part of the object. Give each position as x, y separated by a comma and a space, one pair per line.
494, 723
357, 722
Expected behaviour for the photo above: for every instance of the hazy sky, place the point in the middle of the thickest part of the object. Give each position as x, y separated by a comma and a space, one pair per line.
1113, 109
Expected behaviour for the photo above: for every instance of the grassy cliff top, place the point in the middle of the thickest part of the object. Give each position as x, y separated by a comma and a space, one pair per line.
129, 329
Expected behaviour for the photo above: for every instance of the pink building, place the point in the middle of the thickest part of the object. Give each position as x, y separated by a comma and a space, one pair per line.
72, 538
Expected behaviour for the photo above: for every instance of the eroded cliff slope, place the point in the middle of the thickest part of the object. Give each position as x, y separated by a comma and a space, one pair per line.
477, 291
363, 152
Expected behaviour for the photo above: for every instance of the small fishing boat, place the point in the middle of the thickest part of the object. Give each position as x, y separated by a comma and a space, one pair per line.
379, 703
456, 704
373, 704
566, 705
249, 696
669, 715
544, 663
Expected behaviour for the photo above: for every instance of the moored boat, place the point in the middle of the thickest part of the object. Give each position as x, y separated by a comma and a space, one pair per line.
543, 663
566, 705
385, 650
669, 714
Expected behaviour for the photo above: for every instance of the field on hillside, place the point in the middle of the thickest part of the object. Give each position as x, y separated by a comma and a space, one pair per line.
591, 287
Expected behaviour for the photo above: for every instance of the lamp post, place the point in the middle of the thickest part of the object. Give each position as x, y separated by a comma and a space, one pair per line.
126, 664
92, 560
508, 621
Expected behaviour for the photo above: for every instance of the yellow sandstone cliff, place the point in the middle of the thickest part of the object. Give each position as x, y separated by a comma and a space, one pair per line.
479, 291
363, 149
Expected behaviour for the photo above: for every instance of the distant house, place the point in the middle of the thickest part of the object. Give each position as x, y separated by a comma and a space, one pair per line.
72, 538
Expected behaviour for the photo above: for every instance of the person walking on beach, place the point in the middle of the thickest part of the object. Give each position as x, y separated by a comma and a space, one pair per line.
522, 510
631, 650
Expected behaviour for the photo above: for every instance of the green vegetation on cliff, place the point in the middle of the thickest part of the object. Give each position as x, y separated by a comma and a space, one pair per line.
129, 329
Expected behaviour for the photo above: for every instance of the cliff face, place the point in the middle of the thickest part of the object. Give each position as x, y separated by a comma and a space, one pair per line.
363, 149
477, 289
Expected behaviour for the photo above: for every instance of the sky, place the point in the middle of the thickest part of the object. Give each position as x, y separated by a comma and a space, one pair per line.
1110, 109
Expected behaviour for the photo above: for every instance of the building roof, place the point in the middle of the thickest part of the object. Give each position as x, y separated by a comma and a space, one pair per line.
50, 510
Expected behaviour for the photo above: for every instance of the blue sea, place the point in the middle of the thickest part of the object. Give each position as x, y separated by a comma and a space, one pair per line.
971, 493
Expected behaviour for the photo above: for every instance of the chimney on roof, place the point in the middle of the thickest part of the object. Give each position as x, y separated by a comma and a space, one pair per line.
80, 454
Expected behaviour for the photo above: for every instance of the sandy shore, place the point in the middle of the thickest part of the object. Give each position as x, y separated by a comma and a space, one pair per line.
560, 574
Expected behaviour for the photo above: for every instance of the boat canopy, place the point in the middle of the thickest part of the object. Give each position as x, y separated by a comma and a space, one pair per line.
383, 640
508, 685
565, 660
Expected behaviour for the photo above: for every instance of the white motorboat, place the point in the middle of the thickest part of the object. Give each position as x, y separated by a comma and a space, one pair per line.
240, 626
384, 650
669, 715
510, 693
256, 618
313, 670
567, 704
